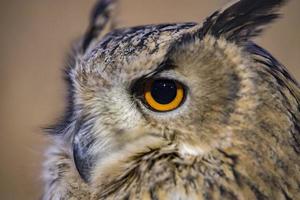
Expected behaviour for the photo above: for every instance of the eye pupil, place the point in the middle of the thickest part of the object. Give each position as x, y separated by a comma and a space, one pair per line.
163, 95
164, 91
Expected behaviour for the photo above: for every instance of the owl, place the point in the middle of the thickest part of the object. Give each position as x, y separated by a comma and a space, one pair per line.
182, 111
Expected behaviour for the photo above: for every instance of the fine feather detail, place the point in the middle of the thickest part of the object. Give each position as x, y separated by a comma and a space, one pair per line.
242, 20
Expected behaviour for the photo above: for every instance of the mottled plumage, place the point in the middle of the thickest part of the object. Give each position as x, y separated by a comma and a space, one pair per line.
235, 136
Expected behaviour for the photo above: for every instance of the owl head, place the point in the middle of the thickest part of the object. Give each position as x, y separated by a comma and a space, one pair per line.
190, 89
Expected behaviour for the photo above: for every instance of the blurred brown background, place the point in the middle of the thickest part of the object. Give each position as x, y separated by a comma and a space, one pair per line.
35, 35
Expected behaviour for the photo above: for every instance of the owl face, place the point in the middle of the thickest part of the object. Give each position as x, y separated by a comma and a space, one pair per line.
119, 84
190, 89
147, 88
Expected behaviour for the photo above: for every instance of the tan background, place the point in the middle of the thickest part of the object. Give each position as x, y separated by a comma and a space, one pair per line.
34, 37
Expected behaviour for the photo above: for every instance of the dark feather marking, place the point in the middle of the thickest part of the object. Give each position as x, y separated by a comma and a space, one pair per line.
242, 20
242, 179
286, 195
123, 182
258, 194
153, 193
296, 134
227, 194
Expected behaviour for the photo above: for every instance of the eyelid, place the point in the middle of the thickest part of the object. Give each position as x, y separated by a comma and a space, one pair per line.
166, 65
137, 84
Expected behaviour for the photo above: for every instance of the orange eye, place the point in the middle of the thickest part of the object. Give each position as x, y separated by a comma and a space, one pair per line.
163, 94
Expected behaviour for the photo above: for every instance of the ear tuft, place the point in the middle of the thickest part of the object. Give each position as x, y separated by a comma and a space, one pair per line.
101, 22
242, 20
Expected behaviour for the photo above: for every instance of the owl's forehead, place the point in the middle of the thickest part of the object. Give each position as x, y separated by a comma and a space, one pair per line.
123, 44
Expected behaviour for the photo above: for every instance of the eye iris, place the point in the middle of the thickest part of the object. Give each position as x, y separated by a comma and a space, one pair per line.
164, 91
163, 95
